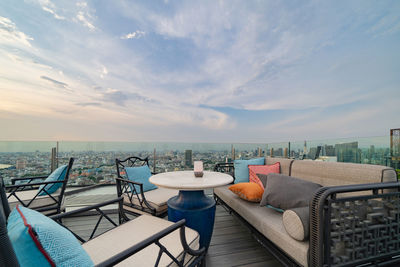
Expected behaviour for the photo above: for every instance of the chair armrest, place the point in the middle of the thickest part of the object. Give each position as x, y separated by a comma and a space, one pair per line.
143, 197
33, 184
155, 240
81, 210
13, 180
349, 229
97, 208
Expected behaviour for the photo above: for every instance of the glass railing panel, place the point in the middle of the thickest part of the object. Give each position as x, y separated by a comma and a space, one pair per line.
24, 159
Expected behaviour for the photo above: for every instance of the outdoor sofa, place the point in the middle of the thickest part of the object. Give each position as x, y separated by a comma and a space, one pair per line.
354, 218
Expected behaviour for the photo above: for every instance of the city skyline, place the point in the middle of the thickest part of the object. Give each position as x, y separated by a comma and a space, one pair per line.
217, 72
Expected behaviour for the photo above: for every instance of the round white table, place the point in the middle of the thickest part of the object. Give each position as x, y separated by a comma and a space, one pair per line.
192, 204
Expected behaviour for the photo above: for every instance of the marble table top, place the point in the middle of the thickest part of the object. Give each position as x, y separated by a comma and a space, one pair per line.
185, 180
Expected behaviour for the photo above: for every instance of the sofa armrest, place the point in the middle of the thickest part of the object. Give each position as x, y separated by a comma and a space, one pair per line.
355, 229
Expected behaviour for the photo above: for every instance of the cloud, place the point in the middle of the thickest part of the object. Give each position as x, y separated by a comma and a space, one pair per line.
85, 16
115, 96
49, 7
87, 104
133, 35
56, 83
10, 35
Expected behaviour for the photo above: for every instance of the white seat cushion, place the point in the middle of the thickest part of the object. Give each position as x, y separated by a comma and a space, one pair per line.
28, 195
135, 231
157, 198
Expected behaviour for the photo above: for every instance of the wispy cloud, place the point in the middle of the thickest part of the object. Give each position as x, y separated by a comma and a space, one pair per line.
56, 83
133, 35
88, 104
85, 15
10, 35
49, 7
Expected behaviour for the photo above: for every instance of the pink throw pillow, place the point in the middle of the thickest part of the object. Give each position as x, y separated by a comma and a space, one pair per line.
263, 169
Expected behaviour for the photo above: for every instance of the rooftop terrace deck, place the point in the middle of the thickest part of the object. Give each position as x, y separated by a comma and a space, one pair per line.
231, 245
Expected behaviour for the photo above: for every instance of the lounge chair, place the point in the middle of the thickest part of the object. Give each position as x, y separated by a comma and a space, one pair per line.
136, 201
144, 241
43, 196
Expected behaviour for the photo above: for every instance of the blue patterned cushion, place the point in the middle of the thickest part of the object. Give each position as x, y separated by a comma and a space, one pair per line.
141, 175
242, 168
39, 241
57, 175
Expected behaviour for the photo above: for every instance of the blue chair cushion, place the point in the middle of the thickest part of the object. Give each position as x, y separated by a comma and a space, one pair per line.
242, 168
57, 175
141, 175
39, 241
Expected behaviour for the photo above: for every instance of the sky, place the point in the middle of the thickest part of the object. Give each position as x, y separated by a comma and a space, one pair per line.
198, 71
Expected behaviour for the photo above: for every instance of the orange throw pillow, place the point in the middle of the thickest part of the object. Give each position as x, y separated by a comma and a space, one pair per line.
248, 191
262, 169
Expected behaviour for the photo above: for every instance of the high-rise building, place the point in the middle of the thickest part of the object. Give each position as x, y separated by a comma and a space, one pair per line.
348, 152
329, 150
395, 148
188, 158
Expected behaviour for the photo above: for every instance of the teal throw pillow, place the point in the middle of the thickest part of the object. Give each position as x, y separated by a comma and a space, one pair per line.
242, 168
277, 209
141, 175
39, 241
57, 175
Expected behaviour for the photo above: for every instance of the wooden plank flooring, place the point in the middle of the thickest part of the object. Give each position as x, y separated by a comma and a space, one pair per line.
231, 245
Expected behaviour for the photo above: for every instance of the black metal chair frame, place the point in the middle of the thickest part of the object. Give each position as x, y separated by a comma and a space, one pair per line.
8, 257
323, 222
14, 189
225, 167
127, 187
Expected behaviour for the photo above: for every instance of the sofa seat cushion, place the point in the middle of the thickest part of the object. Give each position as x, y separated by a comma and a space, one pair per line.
297, 222
27, 195
268, 222
135, 231
156, 198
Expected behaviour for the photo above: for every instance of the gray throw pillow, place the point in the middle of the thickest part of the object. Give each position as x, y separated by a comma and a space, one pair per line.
263, 178
286, 192
297, 223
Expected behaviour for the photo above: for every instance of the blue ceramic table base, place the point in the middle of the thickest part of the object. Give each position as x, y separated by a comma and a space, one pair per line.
197, 209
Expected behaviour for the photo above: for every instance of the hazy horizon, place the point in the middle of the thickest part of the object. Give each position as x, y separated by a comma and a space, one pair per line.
203, 72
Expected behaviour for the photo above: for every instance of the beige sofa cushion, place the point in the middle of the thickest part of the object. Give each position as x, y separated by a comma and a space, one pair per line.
285, 164
339, 173
157, 198
135, 231
268, 222
28, 195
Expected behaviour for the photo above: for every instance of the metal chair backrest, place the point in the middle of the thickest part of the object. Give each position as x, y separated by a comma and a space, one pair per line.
7, 254
130, 162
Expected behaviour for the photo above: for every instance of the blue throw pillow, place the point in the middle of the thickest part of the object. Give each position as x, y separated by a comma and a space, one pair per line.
242, 168
39, 241
57, 175
141, 175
